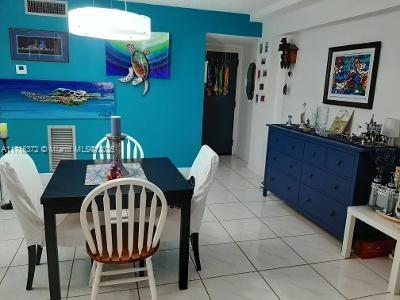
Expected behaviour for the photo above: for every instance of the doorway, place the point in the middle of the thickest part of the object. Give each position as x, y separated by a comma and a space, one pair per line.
220, 101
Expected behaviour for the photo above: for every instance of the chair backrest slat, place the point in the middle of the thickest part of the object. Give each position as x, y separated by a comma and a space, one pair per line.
118, 204
108, 149
142, 216
151, 221
150, 218
130, 149
107, 222
131, 219
97, 229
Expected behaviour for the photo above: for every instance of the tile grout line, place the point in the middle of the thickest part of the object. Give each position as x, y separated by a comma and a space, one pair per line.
256, 270
9, 265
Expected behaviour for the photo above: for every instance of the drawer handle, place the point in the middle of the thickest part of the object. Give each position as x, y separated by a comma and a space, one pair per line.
332, 214
311, 175
274, 158
289, 188
308, 200
336, 187
291, 167
314, 154
272, 178
293, 147
339, 162
276, 140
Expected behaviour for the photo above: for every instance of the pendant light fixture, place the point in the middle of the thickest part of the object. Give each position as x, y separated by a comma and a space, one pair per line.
109, 24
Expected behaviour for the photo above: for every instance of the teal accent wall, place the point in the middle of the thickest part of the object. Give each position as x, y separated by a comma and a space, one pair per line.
168, 120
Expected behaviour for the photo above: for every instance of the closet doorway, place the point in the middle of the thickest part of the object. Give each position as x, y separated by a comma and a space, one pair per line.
220, 101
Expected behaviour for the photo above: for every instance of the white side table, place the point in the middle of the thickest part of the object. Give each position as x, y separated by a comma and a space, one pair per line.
392, 229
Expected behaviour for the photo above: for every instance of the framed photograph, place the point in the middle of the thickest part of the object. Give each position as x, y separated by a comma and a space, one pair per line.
266, 47
263, 61
265, 73
262, 98
39, 45
261, 86
260, 48
351, 75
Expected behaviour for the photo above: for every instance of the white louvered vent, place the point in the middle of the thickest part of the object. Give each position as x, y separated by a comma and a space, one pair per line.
62, 144
50, 8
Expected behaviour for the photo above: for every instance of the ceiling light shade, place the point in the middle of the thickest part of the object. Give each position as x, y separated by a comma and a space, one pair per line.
109, 24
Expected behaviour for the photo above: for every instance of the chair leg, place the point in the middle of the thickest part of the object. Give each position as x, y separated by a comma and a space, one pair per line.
31, 266
92, 272
194, 238
96, 282
141, 265
39, 251
152, 281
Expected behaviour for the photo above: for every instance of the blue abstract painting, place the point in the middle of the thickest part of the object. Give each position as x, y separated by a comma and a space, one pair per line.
118, 58
46, 99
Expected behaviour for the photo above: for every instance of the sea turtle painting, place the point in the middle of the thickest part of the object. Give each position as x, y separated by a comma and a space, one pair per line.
63, 96
139, 67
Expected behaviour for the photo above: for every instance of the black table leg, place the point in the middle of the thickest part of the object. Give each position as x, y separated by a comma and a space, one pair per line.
184, 246
52, 254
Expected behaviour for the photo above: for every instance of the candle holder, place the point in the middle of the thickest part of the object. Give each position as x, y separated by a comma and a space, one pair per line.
116, 146
5, 148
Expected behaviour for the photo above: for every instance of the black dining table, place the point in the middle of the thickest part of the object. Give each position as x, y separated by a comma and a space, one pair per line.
67, 190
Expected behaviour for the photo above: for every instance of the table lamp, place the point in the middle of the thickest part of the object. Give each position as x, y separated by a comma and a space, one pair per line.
391, 129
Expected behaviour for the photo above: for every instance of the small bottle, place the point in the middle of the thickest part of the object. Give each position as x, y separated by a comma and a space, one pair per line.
376, 183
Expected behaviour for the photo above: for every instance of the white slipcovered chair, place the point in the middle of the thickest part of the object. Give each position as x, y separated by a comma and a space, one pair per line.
201, 174
123, 240
130, 149
24, 187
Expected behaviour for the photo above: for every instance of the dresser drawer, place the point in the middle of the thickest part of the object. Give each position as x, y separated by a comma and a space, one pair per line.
286, 144
333, 186
340, 163
326, 210
314, 154
282, 185
285, 163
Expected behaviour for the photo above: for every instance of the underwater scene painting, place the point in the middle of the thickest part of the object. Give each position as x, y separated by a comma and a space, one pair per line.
351, 75
118, 57
46, 99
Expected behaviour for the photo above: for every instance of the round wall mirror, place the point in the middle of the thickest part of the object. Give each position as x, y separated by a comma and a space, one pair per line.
250, 81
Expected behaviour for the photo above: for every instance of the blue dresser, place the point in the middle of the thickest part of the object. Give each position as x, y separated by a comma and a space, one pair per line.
317, 176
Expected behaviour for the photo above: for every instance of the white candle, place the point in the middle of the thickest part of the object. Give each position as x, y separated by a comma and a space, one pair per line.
3, 130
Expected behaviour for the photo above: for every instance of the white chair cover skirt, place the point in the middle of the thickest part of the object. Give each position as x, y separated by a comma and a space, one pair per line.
24, 186
203, 170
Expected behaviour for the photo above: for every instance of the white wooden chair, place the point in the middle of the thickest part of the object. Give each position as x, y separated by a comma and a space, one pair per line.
123, 240
130, 149
201, 174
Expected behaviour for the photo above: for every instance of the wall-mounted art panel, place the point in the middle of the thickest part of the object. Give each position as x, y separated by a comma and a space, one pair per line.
119, 56
46, 99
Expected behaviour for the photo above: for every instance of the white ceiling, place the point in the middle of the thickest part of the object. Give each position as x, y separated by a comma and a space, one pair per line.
237, 6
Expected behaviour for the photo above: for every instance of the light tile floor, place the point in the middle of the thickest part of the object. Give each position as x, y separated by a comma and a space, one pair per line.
252, 247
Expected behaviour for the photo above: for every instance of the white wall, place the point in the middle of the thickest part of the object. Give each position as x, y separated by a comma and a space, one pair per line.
244, 106
314, 38
307, 84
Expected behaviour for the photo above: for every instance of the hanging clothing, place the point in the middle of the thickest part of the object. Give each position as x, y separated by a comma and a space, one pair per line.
221, 80
226, 80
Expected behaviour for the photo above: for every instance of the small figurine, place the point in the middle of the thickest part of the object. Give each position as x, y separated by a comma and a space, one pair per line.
303, 116
289, 121
114, 171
